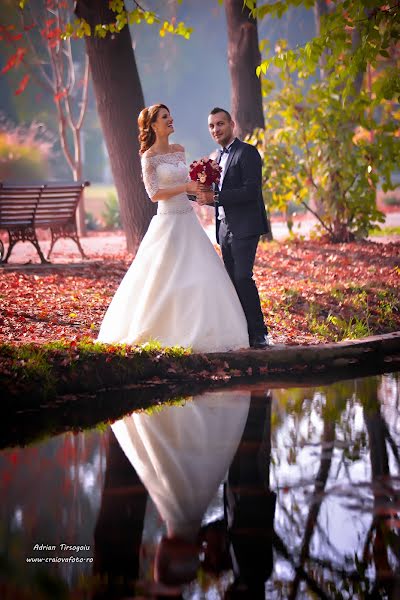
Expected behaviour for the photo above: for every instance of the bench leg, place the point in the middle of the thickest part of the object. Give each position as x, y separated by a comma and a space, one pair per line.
10, 247
78, 243
39, 251
53, 241
23, 235
65, 232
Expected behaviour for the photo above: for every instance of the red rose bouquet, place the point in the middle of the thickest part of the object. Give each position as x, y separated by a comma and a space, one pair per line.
205, 170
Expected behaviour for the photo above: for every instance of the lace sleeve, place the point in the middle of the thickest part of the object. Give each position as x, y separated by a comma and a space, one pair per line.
149, 177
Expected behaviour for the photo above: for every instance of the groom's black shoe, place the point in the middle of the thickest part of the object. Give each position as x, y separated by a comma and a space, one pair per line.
261, 341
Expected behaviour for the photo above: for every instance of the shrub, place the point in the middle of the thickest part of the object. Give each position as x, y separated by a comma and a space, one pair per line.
111, 214
24, 152
92, 224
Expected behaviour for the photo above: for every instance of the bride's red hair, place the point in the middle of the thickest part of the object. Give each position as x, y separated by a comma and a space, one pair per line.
148, 115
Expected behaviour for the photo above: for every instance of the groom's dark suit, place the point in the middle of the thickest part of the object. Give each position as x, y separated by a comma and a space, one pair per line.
239, 232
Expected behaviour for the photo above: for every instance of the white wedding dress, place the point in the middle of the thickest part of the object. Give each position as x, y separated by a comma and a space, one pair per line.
177, 290
182, 454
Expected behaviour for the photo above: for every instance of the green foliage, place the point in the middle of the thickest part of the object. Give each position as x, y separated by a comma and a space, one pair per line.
111, 214
385, 231
339, 328
329, 143
353, 34
123, 17
314, 156
160, 406
354, 317
24, 153
39, 364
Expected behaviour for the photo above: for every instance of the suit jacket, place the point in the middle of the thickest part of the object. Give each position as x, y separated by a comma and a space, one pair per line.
241, 192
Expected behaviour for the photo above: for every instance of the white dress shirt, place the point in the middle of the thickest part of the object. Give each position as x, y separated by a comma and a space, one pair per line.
222, 164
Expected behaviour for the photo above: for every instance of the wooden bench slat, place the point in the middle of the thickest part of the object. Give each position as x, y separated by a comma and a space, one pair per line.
56, 205
17, 214
74, 191
19, 223
34, 201
14, 194
17, 202
56, 211
53, 219
15, 206
39, 193
57, 201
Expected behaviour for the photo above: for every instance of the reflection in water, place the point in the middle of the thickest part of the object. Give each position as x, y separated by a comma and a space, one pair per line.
336, 472
292, 494
182, 454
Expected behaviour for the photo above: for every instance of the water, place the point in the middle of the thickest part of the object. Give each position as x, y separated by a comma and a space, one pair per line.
254, 492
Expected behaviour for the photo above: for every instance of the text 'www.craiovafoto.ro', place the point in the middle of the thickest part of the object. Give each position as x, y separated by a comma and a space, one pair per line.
62, 548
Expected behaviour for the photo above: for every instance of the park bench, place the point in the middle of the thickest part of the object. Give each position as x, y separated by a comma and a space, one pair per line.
26, 208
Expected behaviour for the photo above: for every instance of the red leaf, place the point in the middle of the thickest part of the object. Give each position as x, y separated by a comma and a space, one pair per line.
22, 85
62, 94
14, 458
14, 60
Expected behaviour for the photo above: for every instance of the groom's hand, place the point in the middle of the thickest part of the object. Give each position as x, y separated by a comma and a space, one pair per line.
205, 196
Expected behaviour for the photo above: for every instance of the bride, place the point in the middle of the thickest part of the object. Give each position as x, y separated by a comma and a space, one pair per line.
176, 291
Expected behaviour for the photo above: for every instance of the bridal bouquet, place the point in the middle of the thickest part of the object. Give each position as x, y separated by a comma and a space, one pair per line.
205, 170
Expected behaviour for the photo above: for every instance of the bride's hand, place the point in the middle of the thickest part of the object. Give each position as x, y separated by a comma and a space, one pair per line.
193, 187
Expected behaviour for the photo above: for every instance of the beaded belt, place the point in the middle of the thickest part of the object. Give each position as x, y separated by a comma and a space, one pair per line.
175, 211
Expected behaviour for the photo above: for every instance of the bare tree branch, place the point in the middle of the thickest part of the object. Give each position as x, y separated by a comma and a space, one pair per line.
47, 84
316, 215
85, 94
302, 574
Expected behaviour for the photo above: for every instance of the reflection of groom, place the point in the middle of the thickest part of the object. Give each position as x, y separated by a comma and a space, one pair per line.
249, 504
240, 217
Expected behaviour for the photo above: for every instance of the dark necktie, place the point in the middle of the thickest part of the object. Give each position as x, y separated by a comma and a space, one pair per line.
223, 151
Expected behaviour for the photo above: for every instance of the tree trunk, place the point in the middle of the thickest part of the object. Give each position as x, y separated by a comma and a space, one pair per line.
318, 496
380, 470
119, 99
243, 59
80, 217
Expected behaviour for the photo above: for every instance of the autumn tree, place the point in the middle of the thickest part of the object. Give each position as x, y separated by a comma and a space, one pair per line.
117, 89
37, 46
335, 138
119, 98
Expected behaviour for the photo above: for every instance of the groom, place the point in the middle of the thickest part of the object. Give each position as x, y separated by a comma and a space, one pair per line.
240, 217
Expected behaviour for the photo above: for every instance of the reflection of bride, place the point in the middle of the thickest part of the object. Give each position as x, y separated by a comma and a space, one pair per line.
182, 454
177, 290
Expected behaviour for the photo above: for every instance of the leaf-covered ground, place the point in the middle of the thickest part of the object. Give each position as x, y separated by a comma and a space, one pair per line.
311, 292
